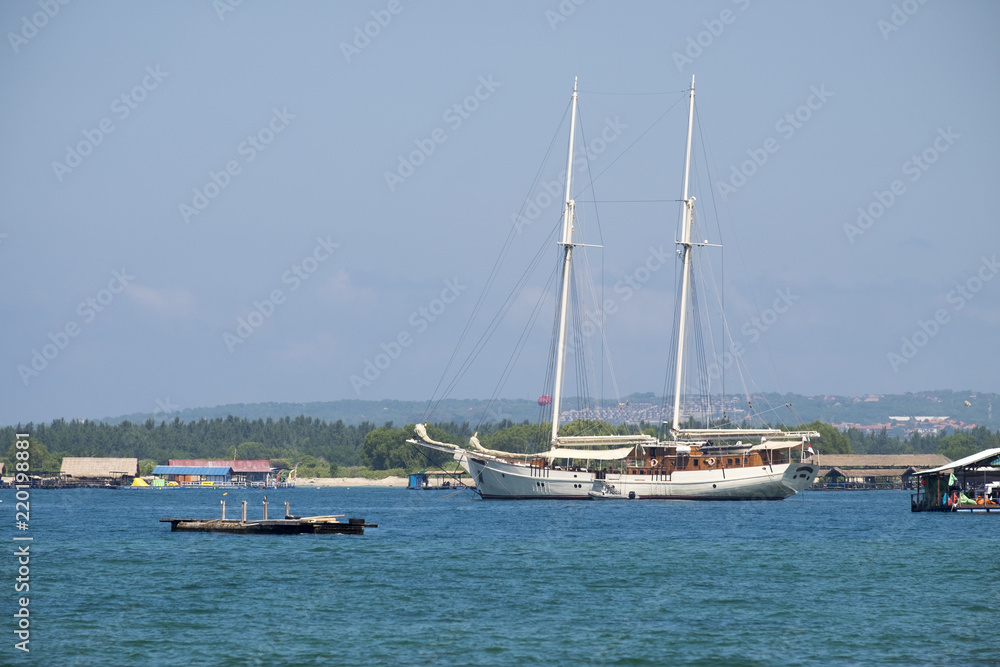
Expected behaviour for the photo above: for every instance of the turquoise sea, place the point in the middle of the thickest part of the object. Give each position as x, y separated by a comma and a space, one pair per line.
821, 578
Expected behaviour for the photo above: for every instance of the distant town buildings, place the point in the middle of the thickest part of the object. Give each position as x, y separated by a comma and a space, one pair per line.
739, 408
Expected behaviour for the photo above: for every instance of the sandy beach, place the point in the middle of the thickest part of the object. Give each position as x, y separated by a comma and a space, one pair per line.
350, 481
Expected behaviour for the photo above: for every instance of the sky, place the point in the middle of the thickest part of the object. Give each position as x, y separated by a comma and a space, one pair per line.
224, 202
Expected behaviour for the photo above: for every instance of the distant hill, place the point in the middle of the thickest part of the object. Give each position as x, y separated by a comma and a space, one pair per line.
356, 412
872, 409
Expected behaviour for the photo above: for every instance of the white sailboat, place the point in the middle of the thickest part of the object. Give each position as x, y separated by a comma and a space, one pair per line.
709, 464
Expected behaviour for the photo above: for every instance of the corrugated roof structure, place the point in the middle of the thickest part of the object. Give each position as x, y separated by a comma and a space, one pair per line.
259, 465
880, 460
192, 470
860, 473
985, 458
92, 467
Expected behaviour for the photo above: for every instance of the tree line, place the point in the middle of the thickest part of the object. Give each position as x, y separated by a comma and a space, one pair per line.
321, 449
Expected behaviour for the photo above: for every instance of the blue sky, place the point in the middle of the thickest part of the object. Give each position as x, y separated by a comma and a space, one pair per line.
196, 208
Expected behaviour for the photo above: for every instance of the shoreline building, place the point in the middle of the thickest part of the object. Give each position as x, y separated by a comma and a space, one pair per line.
97, 471
872, 471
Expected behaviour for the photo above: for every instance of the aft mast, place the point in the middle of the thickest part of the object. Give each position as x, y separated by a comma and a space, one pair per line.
567, 244
685, 244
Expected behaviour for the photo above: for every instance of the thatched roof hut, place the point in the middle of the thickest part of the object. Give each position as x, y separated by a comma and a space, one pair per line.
91, 467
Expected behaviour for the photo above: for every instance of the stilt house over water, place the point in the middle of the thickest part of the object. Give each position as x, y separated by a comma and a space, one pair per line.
92, 470
970, 484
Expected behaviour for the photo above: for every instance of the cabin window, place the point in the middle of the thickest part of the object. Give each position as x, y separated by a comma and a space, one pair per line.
729, 462
696, 461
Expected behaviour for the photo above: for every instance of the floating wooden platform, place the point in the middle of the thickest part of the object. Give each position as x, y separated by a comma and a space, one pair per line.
329, 524
292, 526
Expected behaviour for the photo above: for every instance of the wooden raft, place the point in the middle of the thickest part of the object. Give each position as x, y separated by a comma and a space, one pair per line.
291, 525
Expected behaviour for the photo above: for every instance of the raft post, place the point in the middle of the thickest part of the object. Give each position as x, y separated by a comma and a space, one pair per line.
244, 519
223, 509
265, 508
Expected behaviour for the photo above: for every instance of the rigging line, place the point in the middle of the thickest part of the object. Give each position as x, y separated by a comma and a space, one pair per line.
715, 207
605, 345
522, 340
709, 161
450, 473
769, 359
671, 366
625, 201
627, 148
710, 281
496, 266
605, 349
495, 322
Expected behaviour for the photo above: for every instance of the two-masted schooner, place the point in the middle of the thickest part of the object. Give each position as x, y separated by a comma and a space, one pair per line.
695, 464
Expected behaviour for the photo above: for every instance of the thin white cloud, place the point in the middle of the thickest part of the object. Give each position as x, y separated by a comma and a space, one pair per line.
165, 303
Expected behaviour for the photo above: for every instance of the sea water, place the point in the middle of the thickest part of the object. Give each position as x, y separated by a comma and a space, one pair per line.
821, 578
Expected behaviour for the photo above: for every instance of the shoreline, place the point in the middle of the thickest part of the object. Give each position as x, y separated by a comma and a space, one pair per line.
317, 482
350, 481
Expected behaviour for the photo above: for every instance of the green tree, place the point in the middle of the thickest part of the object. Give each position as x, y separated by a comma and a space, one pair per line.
146, 467
40, 461
252, 451
386, 448
831, 440
957, 446
310, 466
519, 438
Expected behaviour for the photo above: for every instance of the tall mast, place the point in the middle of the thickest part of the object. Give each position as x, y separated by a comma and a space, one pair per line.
567, 244
685, 244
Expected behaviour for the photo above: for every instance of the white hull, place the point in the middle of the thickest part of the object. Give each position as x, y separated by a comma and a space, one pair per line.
505, 480
764, 483
496, 479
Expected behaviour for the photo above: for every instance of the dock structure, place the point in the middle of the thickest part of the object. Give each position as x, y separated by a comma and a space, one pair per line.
330, 524
970, 485
439, 480
871, 471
